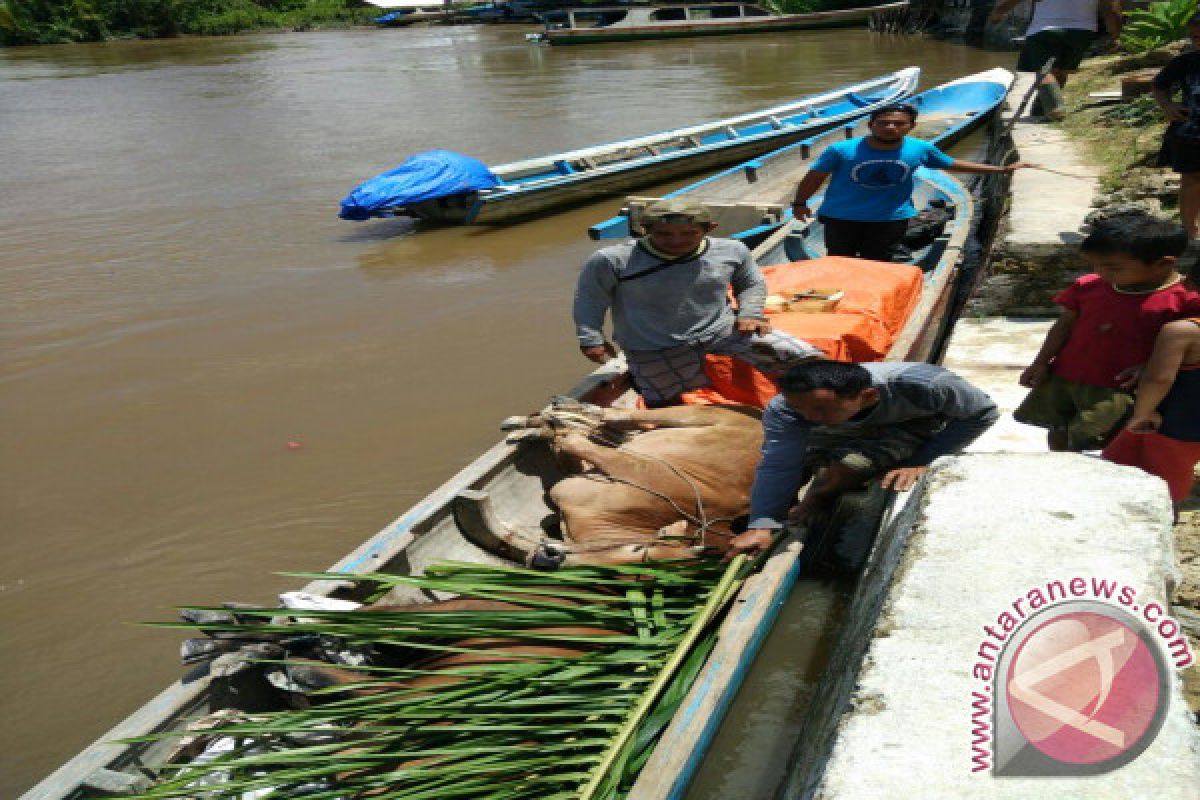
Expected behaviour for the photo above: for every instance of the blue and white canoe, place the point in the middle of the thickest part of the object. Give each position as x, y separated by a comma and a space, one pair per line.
523, 188
753, 198
511, 482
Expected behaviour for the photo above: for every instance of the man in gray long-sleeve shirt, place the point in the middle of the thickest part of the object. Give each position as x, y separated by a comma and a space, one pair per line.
669, 297
858, 421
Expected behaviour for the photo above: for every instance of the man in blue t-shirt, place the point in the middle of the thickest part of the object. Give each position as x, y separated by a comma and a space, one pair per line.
869, 201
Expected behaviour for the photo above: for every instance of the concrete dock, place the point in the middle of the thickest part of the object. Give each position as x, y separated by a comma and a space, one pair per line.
983, 529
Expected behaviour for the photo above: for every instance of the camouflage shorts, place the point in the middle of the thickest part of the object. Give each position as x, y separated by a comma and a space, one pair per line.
872, 450
663, 375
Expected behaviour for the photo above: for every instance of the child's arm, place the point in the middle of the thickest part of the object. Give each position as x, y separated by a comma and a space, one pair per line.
1174, 111
1056, 340
1162, 89
1170, 348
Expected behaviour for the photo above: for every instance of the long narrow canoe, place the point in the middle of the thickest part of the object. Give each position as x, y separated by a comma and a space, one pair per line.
589, 25
513, 480
681, 748
758, 192
562, 179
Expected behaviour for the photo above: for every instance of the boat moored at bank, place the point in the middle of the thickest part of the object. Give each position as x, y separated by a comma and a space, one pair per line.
457, 189
594, 24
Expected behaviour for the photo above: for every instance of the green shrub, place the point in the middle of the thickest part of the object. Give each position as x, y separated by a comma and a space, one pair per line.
1157, 25
51, 21
1137, 113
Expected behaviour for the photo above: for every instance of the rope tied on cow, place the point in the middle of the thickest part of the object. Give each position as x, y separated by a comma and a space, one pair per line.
566, 416
617, 440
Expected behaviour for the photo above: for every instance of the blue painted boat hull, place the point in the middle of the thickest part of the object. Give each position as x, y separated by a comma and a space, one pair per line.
948, 112
540, 184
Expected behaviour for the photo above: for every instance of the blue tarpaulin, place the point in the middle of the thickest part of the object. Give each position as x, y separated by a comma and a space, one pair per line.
425, 176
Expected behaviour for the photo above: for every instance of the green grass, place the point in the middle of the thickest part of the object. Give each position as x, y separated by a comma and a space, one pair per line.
1116, 138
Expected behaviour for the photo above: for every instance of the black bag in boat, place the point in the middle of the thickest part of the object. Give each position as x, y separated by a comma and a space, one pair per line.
927, 225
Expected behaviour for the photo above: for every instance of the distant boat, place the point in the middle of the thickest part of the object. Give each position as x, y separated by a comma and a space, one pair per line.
523, 188
590, 24
751, 200
407, 12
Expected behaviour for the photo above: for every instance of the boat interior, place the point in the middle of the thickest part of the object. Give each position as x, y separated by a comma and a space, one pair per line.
604, 17
752, 200
678, 141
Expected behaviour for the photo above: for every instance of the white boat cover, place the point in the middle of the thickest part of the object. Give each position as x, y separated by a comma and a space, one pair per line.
432, 5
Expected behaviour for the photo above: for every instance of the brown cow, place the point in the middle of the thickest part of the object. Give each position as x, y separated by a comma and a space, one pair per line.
641, 485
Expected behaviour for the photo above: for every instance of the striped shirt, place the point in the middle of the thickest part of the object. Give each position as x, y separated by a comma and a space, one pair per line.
658, 309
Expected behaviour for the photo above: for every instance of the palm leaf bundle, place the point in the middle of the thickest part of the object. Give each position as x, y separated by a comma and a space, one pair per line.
568, 709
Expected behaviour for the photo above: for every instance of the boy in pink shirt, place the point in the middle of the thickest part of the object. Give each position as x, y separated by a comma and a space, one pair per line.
1107, 328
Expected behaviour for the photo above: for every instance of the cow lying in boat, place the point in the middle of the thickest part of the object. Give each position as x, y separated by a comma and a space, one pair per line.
639, 485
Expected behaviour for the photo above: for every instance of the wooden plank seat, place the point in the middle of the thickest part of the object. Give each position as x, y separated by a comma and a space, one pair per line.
728, 216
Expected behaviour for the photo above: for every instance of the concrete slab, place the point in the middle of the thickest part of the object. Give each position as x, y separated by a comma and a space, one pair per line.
1048, 208
991, 352
987, 529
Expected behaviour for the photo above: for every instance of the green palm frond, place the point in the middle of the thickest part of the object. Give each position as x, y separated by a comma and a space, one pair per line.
544, 725
1156, 25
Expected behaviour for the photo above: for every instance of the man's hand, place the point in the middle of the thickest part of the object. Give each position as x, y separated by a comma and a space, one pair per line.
751, 543
600, 353
748, 325
902, 479
1016, 165
1147, 424
1128, 377
1033, 375
801, 211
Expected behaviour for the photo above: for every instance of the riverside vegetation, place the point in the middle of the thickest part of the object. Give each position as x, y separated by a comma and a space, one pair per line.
60, 21
56, 21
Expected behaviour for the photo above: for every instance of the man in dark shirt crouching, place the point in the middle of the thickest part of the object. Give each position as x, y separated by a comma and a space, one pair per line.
857, 422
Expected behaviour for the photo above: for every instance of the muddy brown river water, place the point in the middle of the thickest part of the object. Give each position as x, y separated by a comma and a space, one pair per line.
206, 377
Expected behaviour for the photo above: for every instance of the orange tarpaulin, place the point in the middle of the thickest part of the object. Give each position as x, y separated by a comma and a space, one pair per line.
879, 297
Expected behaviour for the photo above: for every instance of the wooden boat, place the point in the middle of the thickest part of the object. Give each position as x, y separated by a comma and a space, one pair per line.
538, 184
591, 24
513, 481
401, 13
753, 198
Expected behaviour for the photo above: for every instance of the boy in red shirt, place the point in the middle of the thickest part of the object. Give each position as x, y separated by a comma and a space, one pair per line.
1163, 437
1106, 330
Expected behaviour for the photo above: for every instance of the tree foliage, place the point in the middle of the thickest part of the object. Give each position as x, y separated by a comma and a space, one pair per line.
54, 21
1157, 25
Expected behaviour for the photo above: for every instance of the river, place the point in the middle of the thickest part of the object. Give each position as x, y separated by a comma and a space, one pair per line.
208, 378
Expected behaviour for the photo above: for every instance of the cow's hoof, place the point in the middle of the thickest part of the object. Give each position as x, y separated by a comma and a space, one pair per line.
519, 422
547, 557
530, 435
